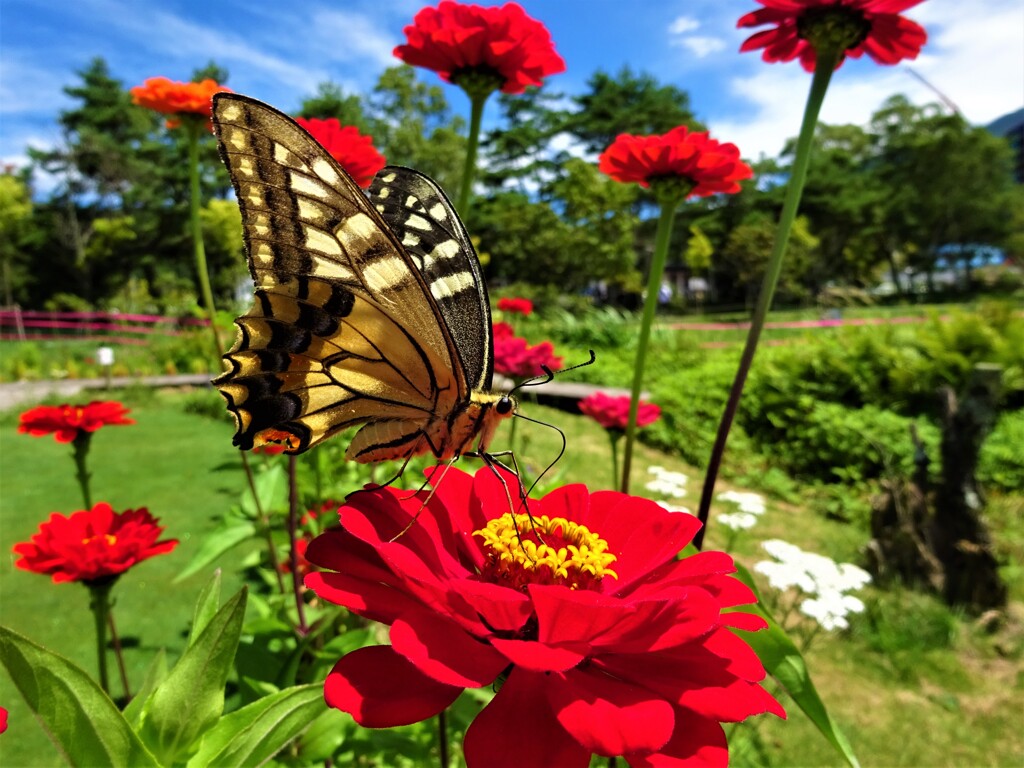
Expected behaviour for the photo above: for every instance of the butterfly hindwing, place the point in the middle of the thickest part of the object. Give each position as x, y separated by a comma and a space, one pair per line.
344, 329
424, 221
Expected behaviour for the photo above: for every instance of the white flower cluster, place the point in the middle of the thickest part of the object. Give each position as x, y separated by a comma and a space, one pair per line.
673, 507
751, 506
751, 503
822, 579
667, 483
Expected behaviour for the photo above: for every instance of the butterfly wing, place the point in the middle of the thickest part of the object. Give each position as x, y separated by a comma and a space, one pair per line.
343, 329
424, 221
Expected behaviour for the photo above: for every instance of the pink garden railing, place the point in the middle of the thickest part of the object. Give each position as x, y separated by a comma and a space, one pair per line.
18, 324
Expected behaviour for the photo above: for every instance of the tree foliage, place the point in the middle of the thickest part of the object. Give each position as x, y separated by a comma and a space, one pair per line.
913, 187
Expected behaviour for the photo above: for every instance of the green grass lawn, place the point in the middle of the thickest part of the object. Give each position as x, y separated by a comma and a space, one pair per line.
914, 686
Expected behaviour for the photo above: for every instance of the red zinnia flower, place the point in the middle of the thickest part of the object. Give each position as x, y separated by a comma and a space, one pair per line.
69, 421
92, 545
705, 163
612, 412
597, 639
472, 46
513, 356
855, 27
353, 151
172, 98
516, 306
3, 719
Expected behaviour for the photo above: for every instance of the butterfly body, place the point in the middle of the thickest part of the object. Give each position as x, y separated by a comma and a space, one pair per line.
368, 311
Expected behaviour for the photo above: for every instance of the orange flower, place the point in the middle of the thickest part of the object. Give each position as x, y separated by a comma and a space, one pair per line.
172, 98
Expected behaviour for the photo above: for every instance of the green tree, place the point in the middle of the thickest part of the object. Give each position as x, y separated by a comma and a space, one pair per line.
586, 234
698, 250
412, 125
745, 257
17, 235
946, 181
627, 103
330, 100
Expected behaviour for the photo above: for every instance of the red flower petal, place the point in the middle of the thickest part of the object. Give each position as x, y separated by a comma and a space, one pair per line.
380, 689
658, 634
710, 166
440, 648
68, 421
453, 38
92, 544
645, 533
890, 39
353, 151
496, 739
610, 717
538, 656
695, 742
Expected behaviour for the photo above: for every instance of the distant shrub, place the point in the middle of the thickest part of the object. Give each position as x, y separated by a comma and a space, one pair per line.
1001, 464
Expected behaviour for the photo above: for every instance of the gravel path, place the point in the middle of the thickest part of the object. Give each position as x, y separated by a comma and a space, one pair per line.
22, 393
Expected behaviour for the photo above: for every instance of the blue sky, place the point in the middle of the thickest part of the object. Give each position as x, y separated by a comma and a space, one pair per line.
278, 52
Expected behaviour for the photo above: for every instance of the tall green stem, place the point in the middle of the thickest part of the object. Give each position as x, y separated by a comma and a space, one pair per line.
80, 448
442, 739
613, 438
469, 169
194, 127
293, 553
99, 602
661, 241
798, 175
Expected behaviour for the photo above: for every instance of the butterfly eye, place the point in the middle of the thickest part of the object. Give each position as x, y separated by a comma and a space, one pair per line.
504, 406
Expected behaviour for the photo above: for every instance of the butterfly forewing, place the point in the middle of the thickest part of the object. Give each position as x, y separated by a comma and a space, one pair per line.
424, 221
344, 328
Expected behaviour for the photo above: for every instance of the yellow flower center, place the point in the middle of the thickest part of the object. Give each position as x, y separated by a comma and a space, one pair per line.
522, 550
109, 538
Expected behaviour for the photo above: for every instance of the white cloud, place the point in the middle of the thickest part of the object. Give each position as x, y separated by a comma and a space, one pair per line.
700, 45
682, 25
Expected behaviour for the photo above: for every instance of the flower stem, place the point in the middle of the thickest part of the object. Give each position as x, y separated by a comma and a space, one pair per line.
99, 602
80, 447
613, 438
442, 738
194, 127
798, 175
469, 169
661, 241
119, 655
293, 554
264, 519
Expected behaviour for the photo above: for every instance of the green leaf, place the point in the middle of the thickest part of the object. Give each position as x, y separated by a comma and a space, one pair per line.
191, 699
216, 543
272, 491
257, 732
206, 607
80, 719
785, 663
155, 675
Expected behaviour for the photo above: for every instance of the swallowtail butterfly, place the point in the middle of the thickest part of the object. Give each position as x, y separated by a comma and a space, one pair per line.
369, 309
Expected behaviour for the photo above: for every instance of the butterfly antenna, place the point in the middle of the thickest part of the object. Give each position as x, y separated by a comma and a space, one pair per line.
549, 374
561, 453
